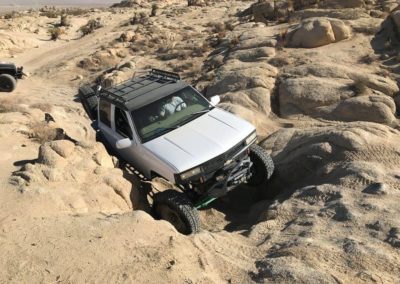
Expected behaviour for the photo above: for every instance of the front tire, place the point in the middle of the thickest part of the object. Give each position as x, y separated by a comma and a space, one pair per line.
7, 83
262, 168
176, 208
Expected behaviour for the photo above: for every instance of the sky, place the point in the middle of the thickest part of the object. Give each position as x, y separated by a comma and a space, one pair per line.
54, 2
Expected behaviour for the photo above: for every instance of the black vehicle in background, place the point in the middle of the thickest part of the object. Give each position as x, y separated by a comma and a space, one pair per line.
9, 74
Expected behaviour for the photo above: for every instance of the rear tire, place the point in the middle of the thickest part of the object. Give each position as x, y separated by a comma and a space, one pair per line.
89, 101
176, 208
263, 166
7, 83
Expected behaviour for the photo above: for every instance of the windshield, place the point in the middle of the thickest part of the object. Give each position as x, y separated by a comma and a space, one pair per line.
169, 113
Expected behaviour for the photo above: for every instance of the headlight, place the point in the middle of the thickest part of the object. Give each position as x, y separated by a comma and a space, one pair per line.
191, 173
251, 138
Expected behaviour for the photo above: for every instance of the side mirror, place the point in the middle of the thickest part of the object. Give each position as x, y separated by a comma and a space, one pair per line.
123, 143
215, 100
98, 89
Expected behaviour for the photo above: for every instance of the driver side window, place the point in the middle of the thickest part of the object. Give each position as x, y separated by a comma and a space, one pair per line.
122, 124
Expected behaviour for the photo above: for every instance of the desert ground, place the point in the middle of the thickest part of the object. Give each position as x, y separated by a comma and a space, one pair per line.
319, 80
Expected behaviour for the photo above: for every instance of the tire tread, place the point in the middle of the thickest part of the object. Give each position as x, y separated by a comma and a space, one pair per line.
182, 205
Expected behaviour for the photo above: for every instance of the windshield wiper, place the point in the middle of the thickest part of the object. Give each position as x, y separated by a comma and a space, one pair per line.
199, 112
163, 129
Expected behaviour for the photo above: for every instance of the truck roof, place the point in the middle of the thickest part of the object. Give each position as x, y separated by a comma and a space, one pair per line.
7, 66
140, 91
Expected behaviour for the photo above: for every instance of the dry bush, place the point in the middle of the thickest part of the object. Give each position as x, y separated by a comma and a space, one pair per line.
65, 21
234, 42
45, 107
126, 4
154, 10
50, 12
11, 104
75, 11
281, 38
217, 27
139, 18
197, 2
95, 64
91, 26
11, 15
279, 61
55, 33
42, 132
366, 59
359, 86
182, 67
367, 30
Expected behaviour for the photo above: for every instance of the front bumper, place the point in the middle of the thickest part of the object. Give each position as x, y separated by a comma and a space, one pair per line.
233, 172
229, 177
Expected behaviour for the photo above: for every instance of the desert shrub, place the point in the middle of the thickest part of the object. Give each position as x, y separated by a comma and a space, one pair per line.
126, 4
279, 61
367, 29
217, 27
197, 2
55, 33
50, 12
366, 59
75, 11
154, 10
65, 21
91, 26
139, 18
42, 132
234, 42
359, 86
11, 15
11, 104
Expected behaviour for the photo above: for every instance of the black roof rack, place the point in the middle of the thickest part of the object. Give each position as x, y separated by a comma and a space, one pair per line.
141, 90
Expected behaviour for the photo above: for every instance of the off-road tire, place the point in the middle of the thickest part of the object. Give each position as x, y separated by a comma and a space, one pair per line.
7, 83
177, 204
89, 101
263, 166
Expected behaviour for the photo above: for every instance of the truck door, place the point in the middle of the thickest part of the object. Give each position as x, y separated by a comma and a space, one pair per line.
122, 127
104, 121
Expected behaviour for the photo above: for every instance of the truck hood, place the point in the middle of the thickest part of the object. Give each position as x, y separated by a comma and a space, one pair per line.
200, 140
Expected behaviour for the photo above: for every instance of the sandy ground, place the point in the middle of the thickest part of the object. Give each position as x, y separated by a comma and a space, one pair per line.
322, 228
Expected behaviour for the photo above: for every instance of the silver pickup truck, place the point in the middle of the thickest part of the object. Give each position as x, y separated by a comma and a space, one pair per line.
165, 128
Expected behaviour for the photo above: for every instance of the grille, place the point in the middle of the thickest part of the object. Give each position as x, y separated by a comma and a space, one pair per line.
218, 162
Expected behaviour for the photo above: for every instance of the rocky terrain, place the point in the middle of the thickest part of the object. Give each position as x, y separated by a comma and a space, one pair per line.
318, 78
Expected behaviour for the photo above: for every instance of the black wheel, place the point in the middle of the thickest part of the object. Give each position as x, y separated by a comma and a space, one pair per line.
263, 166
7, 83
89, 101
176, 208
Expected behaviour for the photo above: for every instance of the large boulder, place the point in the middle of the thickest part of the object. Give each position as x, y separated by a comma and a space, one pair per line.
375, 82
79, 179
264, 11
339, 202
253, 54
307, 95
333, 99
315, 32
327, 152
235, 80
373, 108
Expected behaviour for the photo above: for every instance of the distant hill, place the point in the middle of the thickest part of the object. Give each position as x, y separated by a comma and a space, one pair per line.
33, 3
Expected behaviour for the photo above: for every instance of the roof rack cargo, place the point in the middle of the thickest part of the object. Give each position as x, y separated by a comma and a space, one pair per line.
139, 90
165, 74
